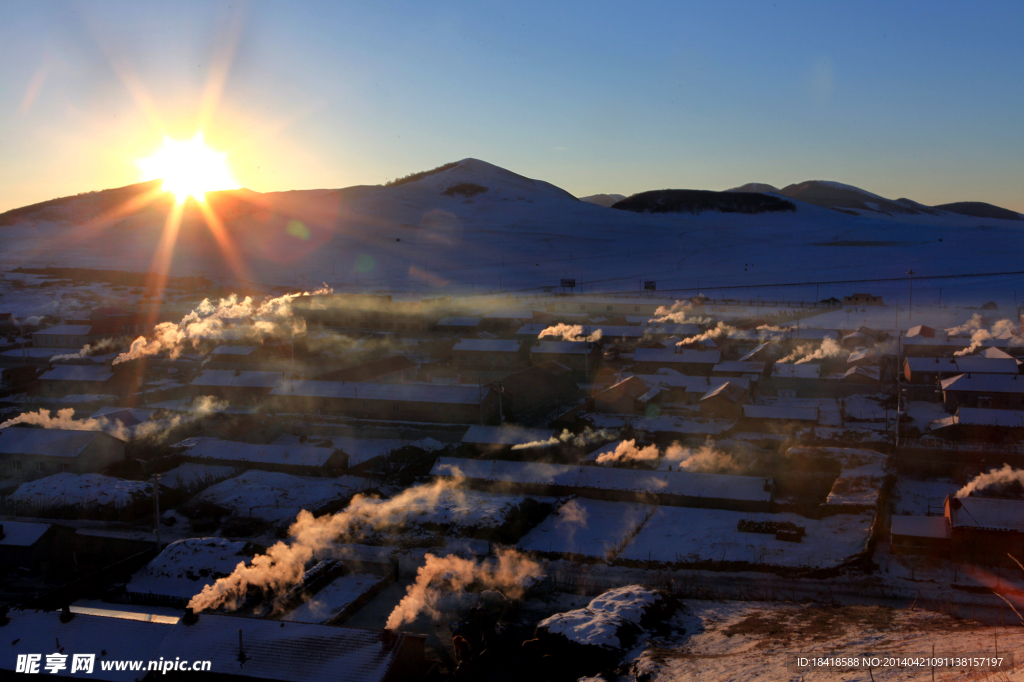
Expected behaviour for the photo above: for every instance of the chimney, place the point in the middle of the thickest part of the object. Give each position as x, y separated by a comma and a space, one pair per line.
1, 531
190, 617
65, 614
241, 649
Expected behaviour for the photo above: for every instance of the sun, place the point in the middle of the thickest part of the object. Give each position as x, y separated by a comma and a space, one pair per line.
189, 168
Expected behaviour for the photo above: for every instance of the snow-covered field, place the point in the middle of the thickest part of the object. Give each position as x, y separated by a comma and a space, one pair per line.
332, 599
278, 498
679, 534
185, 567
586, 527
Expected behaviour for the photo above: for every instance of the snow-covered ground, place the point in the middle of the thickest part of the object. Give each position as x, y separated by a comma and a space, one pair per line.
680, 534
278, 498
185, 567
586, 527
332, 599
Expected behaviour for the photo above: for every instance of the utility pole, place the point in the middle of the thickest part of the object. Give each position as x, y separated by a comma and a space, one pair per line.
910, 307
156, 509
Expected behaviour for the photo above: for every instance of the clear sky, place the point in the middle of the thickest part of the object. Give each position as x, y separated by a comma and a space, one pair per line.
909, 99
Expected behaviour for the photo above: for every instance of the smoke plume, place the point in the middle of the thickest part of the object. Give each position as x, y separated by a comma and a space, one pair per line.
443, 580
212, 321
90, 349
995, 478
627, 452
677, 313
589, 436
282, 566
721, 329
570, 332
806, 352
981, 335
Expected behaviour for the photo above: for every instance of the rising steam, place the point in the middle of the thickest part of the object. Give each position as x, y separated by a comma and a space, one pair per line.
282, 566
705, 459
627, 452
721, 329
209, 320
570, 332
589, 436
90, 349
995, 478
806, 352
980, 335
443, 577
677, 313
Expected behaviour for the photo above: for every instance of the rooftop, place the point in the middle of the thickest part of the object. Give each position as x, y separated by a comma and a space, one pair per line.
419, 393
256, 453
674, 356
985, 383
230, 377
986, 513
505, 435
780, 412
562, 347
46, 442
488, 345
65, 330
78, 373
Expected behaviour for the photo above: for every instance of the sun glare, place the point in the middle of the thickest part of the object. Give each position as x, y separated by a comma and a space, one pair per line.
189, 168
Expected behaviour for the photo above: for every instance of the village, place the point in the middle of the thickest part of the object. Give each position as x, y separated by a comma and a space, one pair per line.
361, 487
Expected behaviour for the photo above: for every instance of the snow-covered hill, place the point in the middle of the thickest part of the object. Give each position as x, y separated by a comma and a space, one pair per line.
477, 227
606, 200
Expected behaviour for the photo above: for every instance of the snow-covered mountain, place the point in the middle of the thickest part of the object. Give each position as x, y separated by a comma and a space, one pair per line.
606, 200
476, 227
754, 187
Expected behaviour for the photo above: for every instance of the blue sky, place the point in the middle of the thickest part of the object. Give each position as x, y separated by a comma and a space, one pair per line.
911, 99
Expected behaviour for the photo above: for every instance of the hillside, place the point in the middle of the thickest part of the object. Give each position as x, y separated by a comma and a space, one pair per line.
476, 227
754, 187
837, 195
697, 201
606, 200
979, 209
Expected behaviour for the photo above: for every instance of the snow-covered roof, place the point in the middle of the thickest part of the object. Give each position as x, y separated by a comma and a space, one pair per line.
985, 383
674, 356
789, 370
505, 435
256, 453
46, 442
279, 650
185, 567
683, 483
921, 526
749, 366
726, 390
233, 350
80, 490
229, 377
757, 349
417, 393
128, 416
65, 330
668, 329
121, 639
873, 373
21, 534
986, 365
488, 345
77, 373
987, 513
976, 416
780, 412
458, 322
691, 384
531, 329
561, 347
511, 314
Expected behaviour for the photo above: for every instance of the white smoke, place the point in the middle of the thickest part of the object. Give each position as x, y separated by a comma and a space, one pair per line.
628, 452
969, 326
211, 321
572, 515
998, 330
443, 581
64, 419
677, 313
90, 349
806, 352
587, 437
570, 332
283, 564
721, 329
993, 478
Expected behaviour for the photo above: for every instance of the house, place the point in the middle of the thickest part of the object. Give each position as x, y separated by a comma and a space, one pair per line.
395, 369
736, 368
301, 460
778, 418
985, 529
14, 378
999, 391
236, 386
676, 488
920, 535
73, 336
487, 353
981, 425
629, 396
920, 330
448, 404
918, 370
76, 334
724, 402
65, 380
32, 546
862, 299
534, 387
682, 360
250, 354
582, 357
864, 376
664, 329
680, 388
30, 453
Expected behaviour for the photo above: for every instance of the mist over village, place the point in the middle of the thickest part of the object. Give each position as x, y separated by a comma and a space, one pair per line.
306, 373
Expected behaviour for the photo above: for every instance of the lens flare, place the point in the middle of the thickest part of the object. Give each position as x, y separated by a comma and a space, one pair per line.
189, 168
